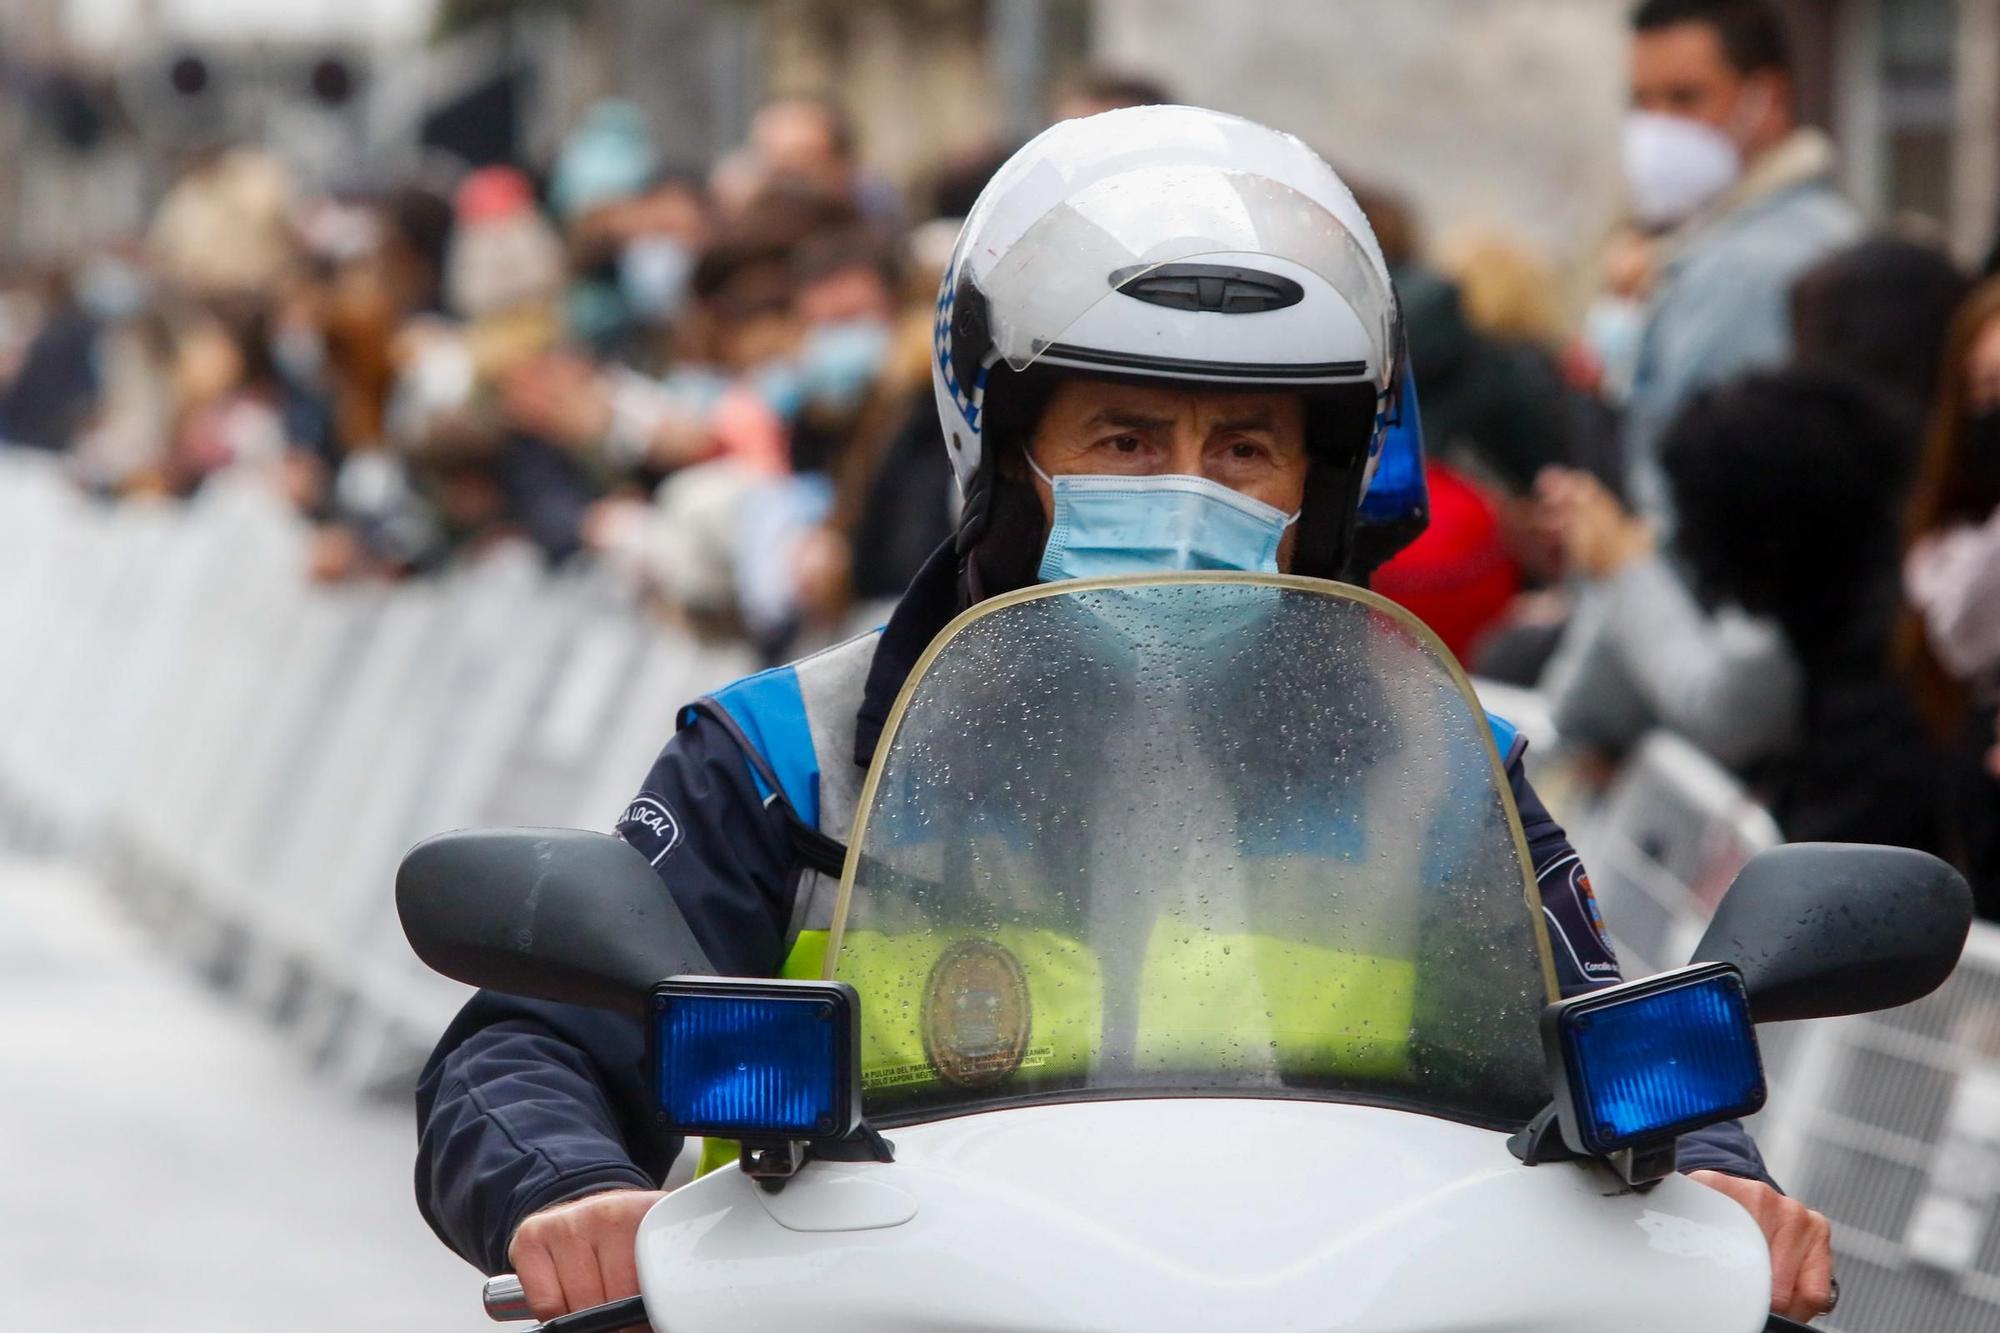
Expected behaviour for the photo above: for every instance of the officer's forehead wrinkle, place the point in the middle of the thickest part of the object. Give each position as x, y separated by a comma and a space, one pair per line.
1137, 407
1129, 418
1263, 416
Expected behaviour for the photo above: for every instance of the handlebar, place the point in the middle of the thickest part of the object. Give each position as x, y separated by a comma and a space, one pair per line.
505, 1301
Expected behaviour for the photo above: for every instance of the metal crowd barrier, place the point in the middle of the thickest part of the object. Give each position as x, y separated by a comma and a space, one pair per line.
245, 757
1893, 1131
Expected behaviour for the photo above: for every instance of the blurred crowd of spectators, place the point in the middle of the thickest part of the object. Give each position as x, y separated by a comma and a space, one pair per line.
715, 377
1750, 493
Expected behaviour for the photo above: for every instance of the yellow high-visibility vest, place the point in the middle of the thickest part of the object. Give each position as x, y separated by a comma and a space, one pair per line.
977, 1008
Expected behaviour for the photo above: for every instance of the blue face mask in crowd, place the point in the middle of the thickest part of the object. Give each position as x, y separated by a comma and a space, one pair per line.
1614, 329
1160, 524
780, 387
110, 289
839, 362
653, 274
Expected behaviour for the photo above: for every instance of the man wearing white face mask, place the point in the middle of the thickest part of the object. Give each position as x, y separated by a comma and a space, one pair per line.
1740, 201
1741, 198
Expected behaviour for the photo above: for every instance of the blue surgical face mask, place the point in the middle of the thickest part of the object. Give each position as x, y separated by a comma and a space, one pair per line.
1614, 329
780, 386
653, 273
1160, 524
839, 362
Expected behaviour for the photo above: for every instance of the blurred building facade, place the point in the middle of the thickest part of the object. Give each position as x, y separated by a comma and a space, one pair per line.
103, 98
1387, 90
1911, 90
104, 102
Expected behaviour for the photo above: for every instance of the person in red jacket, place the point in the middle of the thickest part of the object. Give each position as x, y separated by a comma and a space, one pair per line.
1458, 577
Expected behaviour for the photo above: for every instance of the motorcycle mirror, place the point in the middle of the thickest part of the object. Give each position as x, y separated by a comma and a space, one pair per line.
551, 914
1824, 929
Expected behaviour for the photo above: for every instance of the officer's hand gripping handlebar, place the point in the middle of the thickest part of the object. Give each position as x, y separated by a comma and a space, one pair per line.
505, 1301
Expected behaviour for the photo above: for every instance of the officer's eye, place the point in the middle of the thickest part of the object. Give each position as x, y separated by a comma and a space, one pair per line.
1126, 444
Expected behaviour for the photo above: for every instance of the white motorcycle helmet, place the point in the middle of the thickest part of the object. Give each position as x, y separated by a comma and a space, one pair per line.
1169, 244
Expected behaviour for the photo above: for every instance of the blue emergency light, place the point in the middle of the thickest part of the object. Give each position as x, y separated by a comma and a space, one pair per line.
1635, 1066
756, 1060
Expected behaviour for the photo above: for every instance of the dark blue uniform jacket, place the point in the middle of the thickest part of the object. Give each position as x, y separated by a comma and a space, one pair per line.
525, 1103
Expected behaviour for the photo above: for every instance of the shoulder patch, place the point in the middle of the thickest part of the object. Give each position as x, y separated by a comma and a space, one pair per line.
650, 826
1576, 923
1601, 961
1580, 881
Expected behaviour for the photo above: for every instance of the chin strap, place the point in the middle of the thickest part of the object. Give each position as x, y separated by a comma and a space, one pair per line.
1327, 522
1000, 543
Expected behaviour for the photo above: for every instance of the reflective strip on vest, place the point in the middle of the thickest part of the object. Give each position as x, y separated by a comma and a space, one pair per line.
1208, 1000
1209, 997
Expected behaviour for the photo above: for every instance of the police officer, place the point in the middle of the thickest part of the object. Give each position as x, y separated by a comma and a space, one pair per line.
1166, 341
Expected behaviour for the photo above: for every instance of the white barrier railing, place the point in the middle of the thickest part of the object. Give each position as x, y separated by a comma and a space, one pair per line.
248, 756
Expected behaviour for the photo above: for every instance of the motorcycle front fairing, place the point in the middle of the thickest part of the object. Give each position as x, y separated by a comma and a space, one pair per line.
1192, 1215
1200, 966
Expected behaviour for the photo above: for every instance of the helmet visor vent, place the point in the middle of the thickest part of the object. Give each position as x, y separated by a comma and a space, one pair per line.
1220, 289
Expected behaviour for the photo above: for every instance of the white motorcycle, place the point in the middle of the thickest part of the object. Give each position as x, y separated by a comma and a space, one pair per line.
1188, 973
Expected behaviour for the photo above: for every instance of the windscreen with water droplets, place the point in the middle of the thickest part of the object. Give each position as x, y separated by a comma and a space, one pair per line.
1203, 835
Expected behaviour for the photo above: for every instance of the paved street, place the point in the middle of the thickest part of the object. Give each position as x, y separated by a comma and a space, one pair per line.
167, 1162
